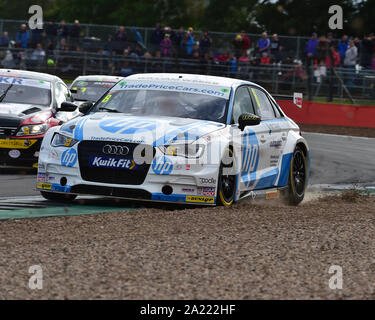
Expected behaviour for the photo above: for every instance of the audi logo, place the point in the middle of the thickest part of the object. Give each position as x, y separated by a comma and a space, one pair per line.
116, 150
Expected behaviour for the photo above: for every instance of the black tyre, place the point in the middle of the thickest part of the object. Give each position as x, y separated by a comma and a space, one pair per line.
227, 180
58, 197
297, 178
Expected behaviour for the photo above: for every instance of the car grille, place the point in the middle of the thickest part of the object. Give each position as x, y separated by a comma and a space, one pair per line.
111, 192
8, 132
89, 149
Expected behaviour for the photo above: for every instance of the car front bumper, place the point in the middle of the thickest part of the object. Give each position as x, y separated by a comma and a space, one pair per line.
20, 152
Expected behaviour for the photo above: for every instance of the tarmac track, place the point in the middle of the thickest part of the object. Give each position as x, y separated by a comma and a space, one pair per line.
338, 162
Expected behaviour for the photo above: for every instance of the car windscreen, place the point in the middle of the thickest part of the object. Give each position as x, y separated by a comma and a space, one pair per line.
26, 91
165, 103
90, 90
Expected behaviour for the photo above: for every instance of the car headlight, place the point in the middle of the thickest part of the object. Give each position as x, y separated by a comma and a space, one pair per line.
192, 150
60, 140
32, 130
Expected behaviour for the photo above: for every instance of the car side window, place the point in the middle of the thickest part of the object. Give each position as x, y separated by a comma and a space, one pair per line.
61, 93
242, 103
265, 109
276, 109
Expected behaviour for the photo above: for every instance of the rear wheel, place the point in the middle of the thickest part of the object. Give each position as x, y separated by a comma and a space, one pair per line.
227, 180
59, 197
297, 178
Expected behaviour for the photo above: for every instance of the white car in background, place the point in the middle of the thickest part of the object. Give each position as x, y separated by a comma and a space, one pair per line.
91, 88
30, 104
177, 138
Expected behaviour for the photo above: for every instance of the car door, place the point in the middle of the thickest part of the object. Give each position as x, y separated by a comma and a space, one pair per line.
252, 150
270, 139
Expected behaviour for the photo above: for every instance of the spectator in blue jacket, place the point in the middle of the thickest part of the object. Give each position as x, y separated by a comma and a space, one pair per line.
264, 44
311, 45
4, 40
22, 39
343, 46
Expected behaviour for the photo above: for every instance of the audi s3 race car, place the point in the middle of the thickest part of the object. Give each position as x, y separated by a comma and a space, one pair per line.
177, 138
91, 88
29, 106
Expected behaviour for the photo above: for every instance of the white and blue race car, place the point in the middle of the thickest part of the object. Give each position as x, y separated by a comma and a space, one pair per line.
177, 138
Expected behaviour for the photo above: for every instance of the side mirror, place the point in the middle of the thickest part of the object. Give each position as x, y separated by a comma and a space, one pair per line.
248, 119
74, 90
67, 107
85, 107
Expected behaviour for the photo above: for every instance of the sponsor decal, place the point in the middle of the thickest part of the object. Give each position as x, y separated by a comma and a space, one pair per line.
198, 199
188, 190
44, 186
276, 144
273, 195
25, 82
16, 143
53, 155
113, 163
207, 181
127, 126
42, 177
15, 154
207, 89
116, 139
208, 192
69, 158
274, 161
162, 166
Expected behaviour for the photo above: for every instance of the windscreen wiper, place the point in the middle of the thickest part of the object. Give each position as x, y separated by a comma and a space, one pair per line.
2, 97
110, 110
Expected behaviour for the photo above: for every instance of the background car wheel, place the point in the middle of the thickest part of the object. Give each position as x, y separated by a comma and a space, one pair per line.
58, 196
227, 180
297, 178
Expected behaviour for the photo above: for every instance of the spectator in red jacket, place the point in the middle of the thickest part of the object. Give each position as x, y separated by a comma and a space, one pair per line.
335, 55
245, 42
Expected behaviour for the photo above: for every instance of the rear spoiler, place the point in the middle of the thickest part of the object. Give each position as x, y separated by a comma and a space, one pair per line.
297, 98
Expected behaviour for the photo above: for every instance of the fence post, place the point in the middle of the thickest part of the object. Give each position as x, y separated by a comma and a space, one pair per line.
298, 47
84, 64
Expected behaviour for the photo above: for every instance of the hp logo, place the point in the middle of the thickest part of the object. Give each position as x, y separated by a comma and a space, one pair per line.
69, 158
116, 150
162, 166
127, 126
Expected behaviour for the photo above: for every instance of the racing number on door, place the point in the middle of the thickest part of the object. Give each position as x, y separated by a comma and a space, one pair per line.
250, 158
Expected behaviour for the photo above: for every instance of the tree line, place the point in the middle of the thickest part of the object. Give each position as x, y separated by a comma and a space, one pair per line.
287, 17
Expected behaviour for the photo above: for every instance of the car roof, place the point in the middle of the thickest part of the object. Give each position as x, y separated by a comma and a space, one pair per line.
113, 79
28, 75
202, 79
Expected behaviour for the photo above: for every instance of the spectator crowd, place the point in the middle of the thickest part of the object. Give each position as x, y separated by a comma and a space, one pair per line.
59, 44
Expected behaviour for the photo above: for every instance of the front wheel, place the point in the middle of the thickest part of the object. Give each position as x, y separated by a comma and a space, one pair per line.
59, 197
227, 180
297, 178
